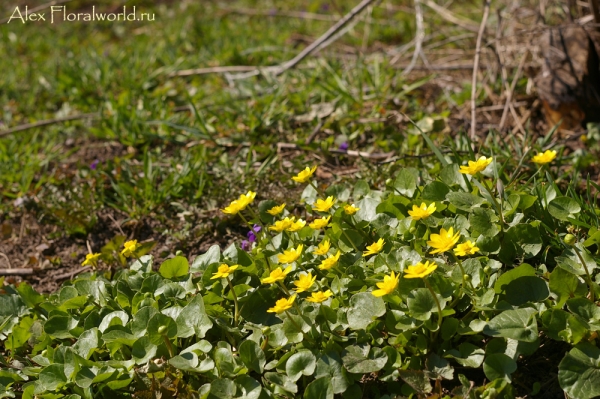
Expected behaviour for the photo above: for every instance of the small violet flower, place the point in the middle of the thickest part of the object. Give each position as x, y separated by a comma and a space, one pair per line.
245, 245
252, 233
344, 146
94, 164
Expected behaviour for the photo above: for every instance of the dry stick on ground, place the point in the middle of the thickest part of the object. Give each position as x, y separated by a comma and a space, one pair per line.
450, 17
47, 122
486, 13
419, 37
16, 272
321, 42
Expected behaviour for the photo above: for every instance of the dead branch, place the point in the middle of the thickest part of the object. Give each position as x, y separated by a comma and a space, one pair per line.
419, 37
16, 272
320, 43
486, 13
450, 17
47, 122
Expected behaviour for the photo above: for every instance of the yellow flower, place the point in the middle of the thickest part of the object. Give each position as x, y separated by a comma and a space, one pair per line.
374, 248
323, 248
544, 158
444, 241
290, 255
304, 175
320, 223
464, 249
319, 296
304, 282
276, 275
477, 166
239, 204
233, 208
129, 248
324, 205
422, 212
388, 285
224, 271
276, 210
330, 261
351, 209
91, 260
246, 199
281, 225
297, 226
419, 270
282, 305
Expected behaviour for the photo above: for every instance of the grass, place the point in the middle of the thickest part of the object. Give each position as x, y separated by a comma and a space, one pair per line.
173, 149
156, 156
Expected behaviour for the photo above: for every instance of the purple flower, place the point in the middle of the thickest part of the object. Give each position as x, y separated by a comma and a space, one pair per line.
344, 146
94, 164
252, 233
245, 245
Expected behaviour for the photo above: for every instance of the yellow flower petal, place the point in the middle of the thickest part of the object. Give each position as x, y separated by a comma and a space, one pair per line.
374, 248
387, 286
444, 241
475, 167
419, 270
545, 157
304, 175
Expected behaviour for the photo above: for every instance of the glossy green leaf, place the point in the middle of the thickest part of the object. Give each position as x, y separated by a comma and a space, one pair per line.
364, 359
364, 308
498, 365
321, 388
193, 319
252, 356
300, 363
519, 324
579, 372
563, 207
174, 267
201, 262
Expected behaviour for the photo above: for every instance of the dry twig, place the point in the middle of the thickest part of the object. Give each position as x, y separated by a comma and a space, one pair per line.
419, 37
320, 43
486, 13
47, 122
16, 272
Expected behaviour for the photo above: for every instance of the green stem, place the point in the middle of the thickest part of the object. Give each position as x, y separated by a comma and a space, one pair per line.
348, 238
236, 313
437, 302
462, 270
587, 272
169, 346
317, 189
496, 204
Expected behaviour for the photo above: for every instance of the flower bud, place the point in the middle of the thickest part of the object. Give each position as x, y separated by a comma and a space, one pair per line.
179, 252
569, 239
388, 181
162, 330
487, 270
412, 230
266, 330
467, 277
